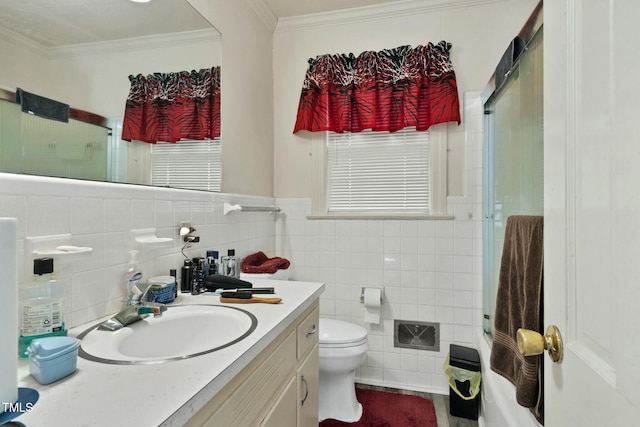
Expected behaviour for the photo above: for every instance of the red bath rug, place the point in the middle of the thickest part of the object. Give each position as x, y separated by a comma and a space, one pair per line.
385, 409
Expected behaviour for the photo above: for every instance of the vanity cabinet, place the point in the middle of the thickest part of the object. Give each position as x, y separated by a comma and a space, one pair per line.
278, 388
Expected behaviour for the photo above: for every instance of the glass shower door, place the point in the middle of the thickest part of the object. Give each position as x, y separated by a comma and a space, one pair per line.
513, 161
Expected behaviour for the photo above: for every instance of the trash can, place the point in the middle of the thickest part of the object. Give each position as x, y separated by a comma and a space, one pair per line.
462, 368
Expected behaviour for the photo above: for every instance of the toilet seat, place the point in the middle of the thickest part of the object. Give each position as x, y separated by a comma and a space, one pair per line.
338, 334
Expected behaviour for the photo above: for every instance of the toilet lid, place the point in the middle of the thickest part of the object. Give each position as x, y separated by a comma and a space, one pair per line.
338, 332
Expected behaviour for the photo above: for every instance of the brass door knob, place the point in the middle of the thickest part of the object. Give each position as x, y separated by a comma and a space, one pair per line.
531, 343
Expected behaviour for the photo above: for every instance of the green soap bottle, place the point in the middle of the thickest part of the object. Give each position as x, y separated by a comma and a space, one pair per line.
40, 307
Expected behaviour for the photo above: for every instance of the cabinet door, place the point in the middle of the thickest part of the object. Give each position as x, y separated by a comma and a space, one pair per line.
283, 412
308, 379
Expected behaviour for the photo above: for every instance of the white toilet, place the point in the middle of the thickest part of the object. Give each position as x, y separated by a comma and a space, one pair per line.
342, 348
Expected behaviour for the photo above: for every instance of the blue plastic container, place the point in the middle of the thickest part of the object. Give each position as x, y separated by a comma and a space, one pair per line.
163, 294
52, 358
162, 289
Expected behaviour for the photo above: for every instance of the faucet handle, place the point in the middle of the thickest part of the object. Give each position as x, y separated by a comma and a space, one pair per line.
143, 309
154, 308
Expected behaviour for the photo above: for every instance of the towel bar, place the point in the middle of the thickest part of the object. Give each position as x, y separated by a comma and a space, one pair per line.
228, 207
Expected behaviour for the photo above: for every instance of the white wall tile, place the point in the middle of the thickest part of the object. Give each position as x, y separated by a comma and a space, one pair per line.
372, 374
408, 312
463, 299
444, 298
427, 229
408, 229
445, 246
48, 215
409, 362
444, 280
463, 246
117, 215
427, 245
395, 377
427, 280
426, 263
87, 215
463, 264
409, 263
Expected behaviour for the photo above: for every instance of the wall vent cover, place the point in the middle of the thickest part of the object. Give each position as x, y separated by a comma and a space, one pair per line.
416, 335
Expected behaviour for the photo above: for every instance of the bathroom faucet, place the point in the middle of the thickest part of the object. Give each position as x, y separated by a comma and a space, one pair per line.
136, 296
132, 314
136, 307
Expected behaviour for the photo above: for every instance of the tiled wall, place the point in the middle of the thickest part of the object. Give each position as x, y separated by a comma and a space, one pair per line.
101, 216
431, 271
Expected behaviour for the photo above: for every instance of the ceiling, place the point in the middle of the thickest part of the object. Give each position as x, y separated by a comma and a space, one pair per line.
72, 22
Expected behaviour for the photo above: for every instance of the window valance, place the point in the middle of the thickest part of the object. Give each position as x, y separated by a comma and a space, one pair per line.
382, 91
173, 106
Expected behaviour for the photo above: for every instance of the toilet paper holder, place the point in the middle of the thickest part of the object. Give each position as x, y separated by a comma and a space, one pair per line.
371, 287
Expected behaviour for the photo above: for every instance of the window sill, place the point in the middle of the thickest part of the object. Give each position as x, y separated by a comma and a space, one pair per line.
383, 216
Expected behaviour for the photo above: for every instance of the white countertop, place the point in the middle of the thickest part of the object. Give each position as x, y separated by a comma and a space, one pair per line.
166, 394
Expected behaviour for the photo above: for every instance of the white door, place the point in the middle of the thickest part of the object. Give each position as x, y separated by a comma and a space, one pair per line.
592, 210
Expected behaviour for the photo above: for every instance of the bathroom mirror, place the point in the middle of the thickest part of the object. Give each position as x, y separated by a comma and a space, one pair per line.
81, 53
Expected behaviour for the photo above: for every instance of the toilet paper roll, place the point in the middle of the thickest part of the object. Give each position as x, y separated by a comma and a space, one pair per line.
372, 303
8, 313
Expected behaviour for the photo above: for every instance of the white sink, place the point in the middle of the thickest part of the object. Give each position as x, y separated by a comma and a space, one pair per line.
182, 331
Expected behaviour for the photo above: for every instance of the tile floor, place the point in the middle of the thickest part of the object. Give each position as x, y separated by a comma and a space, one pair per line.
440, 402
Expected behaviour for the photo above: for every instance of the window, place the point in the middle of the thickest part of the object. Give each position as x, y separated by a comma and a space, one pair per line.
380, 173
195, 165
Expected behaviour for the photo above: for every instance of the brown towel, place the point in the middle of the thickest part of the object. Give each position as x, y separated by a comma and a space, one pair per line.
519, 305
259, 263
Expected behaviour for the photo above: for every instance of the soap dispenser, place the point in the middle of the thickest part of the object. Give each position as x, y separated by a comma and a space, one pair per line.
41, 305
133, 274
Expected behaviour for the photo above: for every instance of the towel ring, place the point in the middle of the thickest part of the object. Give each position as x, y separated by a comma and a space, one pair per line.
531, 343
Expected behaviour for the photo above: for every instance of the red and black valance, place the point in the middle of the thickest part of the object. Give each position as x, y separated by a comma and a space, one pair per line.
173, 106
383, 91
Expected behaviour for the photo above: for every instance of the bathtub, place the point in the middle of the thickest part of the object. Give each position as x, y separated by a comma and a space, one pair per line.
499, 406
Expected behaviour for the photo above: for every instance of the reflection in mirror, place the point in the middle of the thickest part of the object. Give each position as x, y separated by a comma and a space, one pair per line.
38, 146
71, 51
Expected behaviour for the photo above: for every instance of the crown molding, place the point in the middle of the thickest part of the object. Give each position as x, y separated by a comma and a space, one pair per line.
373, 12
138, 43
124, 45
25, 43
265, 14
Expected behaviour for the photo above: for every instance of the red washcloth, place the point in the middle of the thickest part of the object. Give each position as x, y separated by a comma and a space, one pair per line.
259, 263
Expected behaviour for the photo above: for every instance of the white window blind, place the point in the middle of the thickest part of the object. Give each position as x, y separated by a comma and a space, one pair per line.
196, 165
379, 172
